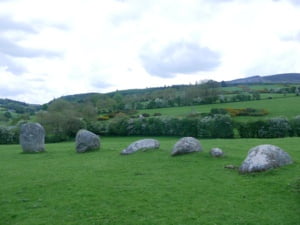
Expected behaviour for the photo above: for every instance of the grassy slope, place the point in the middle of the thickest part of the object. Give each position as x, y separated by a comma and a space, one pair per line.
288, 107
103, 187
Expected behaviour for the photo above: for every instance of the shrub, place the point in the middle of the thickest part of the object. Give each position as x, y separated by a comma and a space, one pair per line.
60, 126
99, 127
157, 114
218, 111
243, 112
250, 129
146, 115
295, 125
118, 126
275, 128
193, 114
9, 135
103, 117
216, 126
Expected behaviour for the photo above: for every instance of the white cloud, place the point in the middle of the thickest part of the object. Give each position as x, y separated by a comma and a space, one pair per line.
58, 47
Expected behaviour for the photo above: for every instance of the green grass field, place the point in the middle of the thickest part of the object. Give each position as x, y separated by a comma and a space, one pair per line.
288, 107
104, 187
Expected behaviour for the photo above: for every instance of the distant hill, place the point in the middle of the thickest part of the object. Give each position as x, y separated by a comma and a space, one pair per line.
19, 107
289, 78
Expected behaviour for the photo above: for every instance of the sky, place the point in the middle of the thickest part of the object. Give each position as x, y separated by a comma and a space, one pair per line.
52, 48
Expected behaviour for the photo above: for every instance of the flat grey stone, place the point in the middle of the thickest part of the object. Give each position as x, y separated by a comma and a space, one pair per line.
141, 145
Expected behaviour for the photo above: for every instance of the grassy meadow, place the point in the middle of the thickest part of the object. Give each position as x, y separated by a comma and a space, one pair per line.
104, 187
285, 106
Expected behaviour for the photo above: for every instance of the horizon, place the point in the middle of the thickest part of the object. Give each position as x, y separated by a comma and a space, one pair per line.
167, 86
52, 48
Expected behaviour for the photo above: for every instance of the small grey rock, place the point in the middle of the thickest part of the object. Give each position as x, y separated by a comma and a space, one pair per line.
32, 137
216, 152
143, 145
231, 167
86, 141
264, 157
186, 145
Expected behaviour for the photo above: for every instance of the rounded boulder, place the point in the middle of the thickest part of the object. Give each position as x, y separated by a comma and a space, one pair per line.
264, 157
86, 141
216, 152
186, 145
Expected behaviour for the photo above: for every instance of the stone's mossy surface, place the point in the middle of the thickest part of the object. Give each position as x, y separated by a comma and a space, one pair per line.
86, 141
32, 137
143, 145
186, 145
216, 152
264, 157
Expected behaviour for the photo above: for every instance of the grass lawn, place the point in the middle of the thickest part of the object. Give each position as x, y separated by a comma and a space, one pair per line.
287, 106
104, 187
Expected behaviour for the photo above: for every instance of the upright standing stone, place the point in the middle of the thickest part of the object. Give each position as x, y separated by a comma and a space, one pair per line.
32, 137
186, 145
86, 141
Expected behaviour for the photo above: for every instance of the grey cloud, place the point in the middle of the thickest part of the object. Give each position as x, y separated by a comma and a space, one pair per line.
294, 37
10, 48
125, 17
180, 57
10, 65
9, 92
294, 2
7, 24
100, 83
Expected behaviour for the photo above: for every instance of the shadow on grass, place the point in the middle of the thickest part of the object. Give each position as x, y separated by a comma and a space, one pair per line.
33, 153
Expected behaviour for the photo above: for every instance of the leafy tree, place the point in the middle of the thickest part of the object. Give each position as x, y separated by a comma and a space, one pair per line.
62, 120
119, 101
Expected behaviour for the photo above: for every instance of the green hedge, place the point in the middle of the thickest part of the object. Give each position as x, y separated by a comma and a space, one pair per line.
272, 128
216, 126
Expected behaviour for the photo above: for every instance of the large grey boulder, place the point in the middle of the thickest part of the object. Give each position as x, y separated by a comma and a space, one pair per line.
216, 152
86, 141
143, 145
264, 157
32, 137
186, 145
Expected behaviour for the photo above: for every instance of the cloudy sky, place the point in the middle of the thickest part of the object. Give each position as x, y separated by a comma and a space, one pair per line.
50, 48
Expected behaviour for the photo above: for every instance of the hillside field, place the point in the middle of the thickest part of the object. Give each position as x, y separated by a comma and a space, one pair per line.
285, 106
104, 187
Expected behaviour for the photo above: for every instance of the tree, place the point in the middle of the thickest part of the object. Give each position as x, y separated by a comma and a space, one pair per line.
61, 121
119, 101
209, 91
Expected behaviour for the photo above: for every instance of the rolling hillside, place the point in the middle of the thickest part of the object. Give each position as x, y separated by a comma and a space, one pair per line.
289, 78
